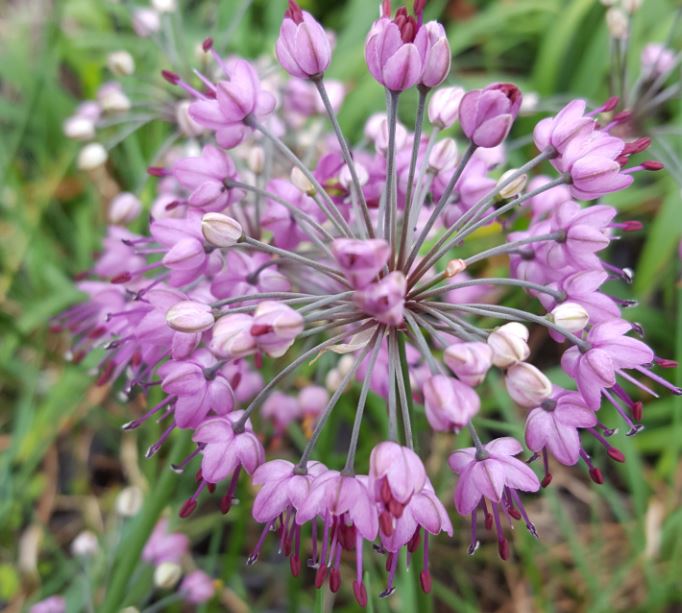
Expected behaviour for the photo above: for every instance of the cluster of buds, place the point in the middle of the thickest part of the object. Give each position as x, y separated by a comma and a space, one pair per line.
255, 257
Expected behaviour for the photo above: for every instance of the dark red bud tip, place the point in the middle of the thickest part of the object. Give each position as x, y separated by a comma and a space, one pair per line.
637, 411
294, 12
622, 116
641, 144
77, 358
295, 565
260, 329
425, 581
616, 454
631, 226
211, 487
187, 508
157, 171
386, 523
386, 8
207, 45
488, 521
653, 165
225, 504
547, 480
287, 547
171, 77
198, 476
123, 277
360, 592
389, 562
334, 580
665, 362
610, 104
413, 543
419, 7
514, 513
320, 576
106, 374
396, 508
503, 549
596, 476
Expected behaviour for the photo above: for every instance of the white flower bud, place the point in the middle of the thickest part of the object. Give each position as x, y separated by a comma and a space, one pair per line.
617, 23
190, 317
529, 103
333, 380
515, 187
345, 365
187, 125
527, 385
301, 182
129, 501
92, 156
85, 544
166, 575
221, 230
454, 267
255, 160
381, 140
444, 106
79, 128
129, 610
443, 156
509, 344
164, 6
632, 6
121, 63
124, 207
112, 99
571, 316
146, 22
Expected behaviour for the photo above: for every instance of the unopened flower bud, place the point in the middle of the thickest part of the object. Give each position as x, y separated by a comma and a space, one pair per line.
166, 575
121, 63
486, 115
85, 544
146, 22
515, 187
617, 23
301, 182
454, 267
92, 156
361, 260
509, 344
232, 336
221, 230
381, 140
79, 128
469, 361
129, 501
190, 317
449, 403
333, 380
444, 106
112, 98
312, 399
632, 6
124, 208
443, 156
571, 316
164, 6
345, 364
527, 385
186, 123
255, 160
275, 327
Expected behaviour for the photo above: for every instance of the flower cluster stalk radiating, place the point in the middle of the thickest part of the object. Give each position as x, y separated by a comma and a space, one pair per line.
261, 249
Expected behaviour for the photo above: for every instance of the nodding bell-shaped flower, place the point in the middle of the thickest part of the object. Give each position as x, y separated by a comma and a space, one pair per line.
469, 361
124, 208
444, 106
190, 316
361, 260
385, 299
275, 327
509, 344
224, 450
493, 475
449, 403
396, 473
303, 48
527, 385
553, 426
221, 230
486, 115
232, 336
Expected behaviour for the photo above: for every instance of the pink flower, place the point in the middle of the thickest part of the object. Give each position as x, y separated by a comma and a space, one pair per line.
554, 426
244, 274
303, 48
52, 604
470, 361
486, 115
449, 403
657, 59
568, 123
361, 260
492, 475
610, 351
385, 299
197, 587
165, 546
275, 327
